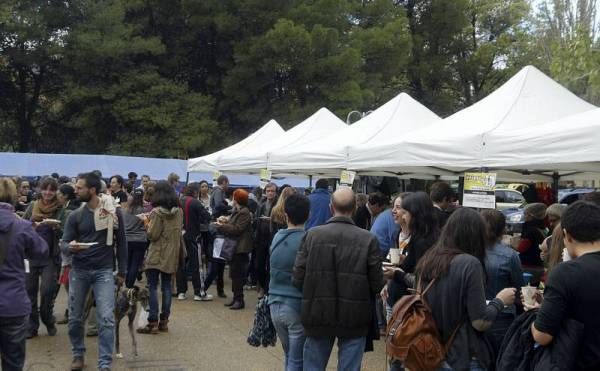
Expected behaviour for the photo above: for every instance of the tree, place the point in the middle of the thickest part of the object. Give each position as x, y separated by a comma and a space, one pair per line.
461, 49
566, 33
31, 38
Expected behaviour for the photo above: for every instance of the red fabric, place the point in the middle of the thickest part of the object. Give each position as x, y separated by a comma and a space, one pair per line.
524, 245
188, 201
64, 277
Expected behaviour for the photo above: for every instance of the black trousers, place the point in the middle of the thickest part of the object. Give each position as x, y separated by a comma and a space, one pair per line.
261, 264
13, 333
238, 269
193, 265
48, 275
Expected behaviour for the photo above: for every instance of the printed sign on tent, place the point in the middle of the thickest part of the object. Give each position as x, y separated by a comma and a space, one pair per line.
265, 177
479, 190
347, 177
216, 175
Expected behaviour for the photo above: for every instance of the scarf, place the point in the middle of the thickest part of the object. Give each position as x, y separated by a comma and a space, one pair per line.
43, 211
105, 217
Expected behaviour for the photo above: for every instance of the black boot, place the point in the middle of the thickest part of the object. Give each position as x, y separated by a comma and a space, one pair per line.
237, 305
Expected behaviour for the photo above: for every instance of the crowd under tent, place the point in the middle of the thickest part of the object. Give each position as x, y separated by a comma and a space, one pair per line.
329, 154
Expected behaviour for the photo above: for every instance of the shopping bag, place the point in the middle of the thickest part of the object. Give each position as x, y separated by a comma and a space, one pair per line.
142, 318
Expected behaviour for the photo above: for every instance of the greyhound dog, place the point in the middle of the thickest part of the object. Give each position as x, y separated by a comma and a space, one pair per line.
126, 304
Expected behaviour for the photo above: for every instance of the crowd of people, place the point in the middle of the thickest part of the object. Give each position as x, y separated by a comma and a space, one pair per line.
330, 266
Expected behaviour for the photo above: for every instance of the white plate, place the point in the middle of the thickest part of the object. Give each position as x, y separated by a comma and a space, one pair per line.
85, 245
51, 221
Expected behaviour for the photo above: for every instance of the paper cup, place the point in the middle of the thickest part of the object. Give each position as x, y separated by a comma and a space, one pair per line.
529, 295
395, 256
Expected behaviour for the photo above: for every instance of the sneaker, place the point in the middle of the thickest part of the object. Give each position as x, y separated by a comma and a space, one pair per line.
181, 296
205, 297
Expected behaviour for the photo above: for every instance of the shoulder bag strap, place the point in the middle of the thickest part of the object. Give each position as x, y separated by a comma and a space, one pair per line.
280, 241
452, 336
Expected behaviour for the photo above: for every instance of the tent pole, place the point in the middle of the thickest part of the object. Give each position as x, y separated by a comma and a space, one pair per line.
555, 177
310, 181
187, 177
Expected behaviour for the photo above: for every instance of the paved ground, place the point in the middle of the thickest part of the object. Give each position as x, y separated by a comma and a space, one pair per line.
202, 336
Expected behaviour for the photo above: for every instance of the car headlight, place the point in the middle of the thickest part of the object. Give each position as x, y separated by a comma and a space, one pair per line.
515, 218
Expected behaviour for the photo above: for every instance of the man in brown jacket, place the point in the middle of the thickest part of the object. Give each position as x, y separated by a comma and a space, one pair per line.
338, 269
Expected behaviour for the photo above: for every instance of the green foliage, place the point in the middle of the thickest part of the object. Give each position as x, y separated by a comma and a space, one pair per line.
181, 78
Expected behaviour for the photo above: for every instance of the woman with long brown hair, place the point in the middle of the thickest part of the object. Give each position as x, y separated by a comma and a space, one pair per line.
453, 273
44, 213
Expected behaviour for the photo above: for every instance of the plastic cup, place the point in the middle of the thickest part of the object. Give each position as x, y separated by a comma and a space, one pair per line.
529, 295
395, 256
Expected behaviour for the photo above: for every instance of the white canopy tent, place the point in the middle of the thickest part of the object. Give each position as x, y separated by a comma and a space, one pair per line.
329, 154
322, 123
209, 163
568, 146
458, 143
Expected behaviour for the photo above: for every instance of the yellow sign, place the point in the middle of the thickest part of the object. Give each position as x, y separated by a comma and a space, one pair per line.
478, 190
347, 177
265, 174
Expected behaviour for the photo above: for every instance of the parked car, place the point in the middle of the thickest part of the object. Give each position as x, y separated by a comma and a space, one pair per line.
507, 198
569, 195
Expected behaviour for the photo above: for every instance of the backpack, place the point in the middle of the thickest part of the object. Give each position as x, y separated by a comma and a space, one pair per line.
412, 335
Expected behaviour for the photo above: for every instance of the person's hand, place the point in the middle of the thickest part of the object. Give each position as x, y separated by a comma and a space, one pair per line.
388, 272
507, 296
384, 293
401, 258
544, 250
74, 246
120, 279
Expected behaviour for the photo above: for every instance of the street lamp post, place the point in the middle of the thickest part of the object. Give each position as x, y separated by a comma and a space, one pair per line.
362, 114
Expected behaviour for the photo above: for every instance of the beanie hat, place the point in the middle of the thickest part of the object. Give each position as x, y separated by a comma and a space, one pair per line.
241, 197
555, 210
537, 210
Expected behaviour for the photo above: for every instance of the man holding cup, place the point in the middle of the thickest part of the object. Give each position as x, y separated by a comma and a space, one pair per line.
571, 290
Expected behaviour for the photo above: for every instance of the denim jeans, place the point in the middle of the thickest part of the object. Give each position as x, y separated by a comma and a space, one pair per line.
216, 270
102, 283
135, 259
48, 276
318, 349
290, 332
473, 366
13, 331
165, 288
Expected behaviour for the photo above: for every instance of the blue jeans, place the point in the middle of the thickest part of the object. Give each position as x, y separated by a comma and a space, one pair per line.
318, 349
473, 366
165, 288
291, 334
102, 283
13, 331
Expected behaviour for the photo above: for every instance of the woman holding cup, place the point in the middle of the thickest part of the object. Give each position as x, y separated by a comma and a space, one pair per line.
419, 231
